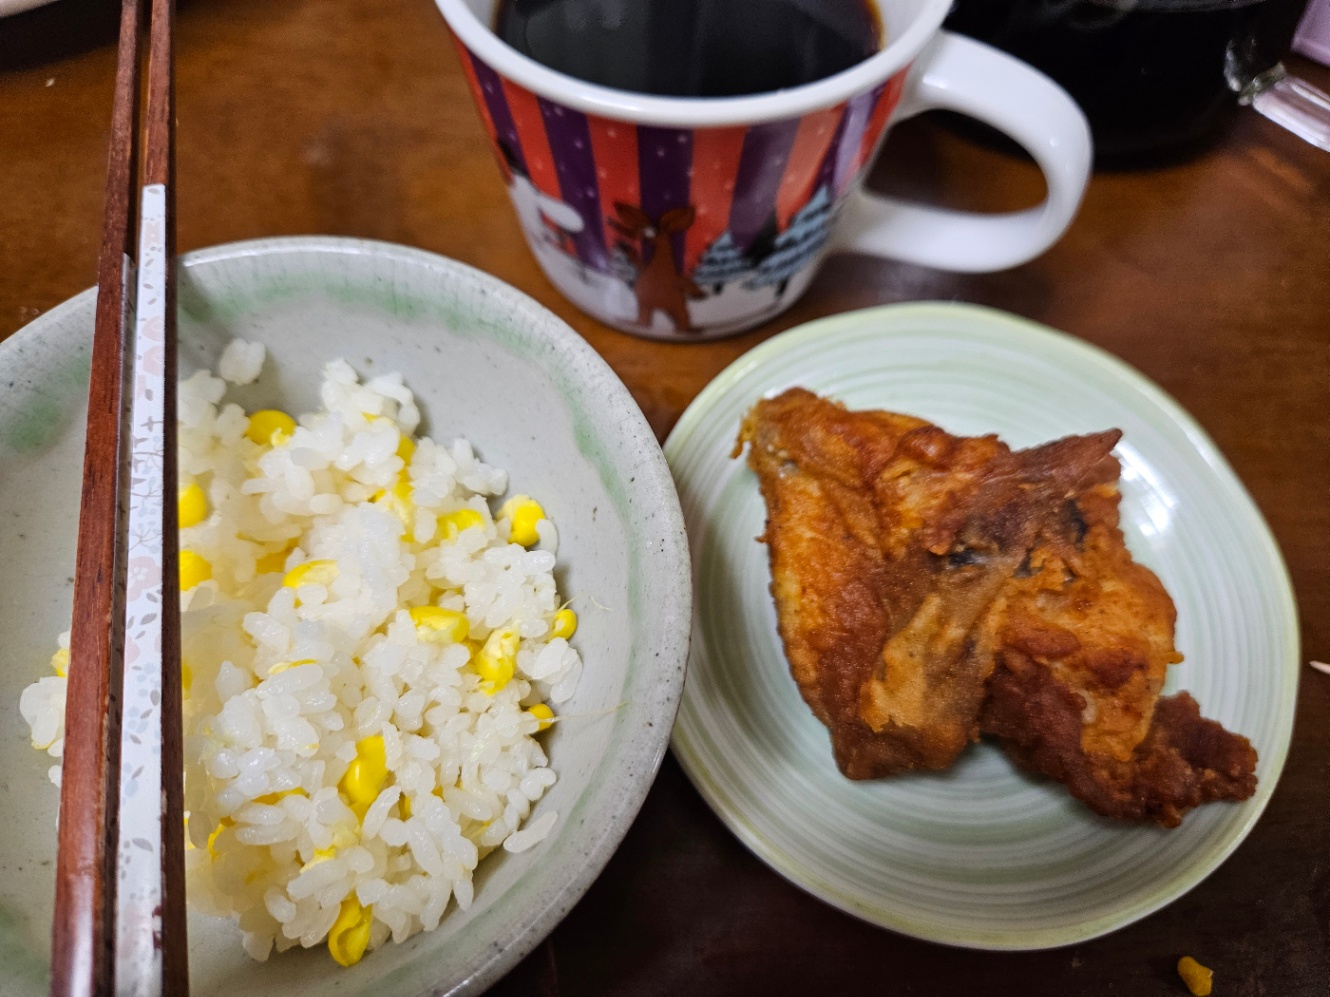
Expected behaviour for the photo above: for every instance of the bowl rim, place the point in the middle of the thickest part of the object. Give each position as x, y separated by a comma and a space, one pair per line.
635, 751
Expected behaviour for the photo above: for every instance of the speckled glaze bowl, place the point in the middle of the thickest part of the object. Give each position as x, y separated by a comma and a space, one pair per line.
487, 363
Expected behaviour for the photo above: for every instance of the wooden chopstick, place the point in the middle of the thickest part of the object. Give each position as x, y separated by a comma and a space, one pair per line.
81, 939
120, 906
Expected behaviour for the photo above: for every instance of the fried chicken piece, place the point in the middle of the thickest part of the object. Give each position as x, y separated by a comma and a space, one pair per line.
930, 586
890, 542
1084, 644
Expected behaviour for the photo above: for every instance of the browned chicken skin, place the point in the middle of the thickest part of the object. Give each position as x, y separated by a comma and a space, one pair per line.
909, 564
1085, 643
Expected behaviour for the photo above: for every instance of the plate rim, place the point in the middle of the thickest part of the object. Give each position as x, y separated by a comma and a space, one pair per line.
1024, 335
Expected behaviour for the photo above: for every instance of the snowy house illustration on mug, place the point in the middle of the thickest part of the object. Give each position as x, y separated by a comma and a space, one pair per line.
546, 220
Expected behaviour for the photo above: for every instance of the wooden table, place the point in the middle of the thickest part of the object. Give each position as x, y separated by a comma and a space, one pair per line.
1212, 276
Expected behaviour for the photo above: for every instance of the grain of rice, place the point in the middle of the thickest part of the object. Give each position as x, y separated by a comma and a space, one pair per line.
241, 362
520, 841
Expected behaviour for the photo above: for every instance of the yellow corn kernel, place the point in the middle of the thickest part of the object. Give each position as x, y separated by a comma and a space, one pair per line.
224, 823
439, 625
565, 624
60, 662
473, 648
282, 666
497, 660
349, 936
455, 522
544, 714
322, 572
366, 774
186, 676
523, 513
1198, 979
320, 855
194, 568
404, 806
406, 448
270, 563
191, 505
271, 798
398, 500
265, 424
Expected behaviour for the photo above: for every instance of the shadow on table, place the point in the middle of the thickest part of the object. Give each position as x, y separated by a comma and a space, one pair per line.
62, 30
57, 31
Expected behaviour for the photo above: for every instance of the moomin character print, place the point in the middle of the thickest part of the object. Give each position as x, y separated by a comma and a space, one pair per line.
659, 286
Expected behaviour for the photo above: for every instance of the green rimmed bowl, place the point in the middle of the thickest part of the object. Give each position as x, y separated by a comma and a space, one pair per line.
981, 855
486, 363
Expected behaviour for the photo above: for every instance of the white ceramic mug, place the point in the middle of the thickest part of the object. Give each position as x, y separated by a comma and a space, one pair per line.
687, 218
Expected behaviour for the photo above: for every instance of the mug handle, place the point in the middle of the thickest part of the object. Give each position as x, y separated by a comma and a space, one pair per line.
960, 74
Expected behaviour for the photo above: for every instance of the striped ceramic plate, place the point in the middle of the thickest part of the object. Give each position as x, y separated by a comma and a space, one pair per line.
980, 855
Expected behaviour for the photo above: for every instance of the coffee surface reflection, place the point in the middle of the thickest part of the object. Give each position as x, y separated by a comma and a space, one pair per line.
693, 48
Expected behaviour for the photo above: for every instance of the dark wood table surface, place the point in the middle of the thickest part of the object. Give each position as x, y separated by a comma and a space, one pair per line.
1210, 275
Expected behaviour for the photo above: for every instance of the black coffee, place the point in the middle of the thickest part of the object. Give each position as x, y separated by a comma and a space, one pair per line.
693, 48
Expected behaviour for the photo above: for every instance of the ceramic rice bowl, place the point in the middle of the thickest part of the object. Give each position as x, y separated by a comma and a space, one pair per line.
485, 363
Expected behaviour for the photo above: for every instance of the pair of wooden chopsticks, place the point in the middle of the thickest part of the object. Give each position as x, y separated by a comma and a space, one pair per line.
119, 924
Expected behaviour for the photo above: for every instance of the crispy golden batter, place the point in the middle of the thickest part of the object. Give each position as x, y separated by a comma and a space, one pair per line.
889, 541
929, 586
1084, 646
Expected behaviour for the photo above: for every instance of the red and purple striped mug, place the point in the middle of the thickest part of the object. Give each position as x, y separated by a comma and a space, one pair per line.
685, 218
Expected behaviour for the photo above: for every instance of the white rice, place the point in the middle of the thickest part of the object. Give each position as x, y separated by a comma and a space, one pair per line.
241, 362
285, 685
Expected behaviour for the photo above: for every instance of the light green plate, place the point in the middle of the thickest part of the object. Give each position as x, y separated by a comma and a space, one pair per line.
981, 855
